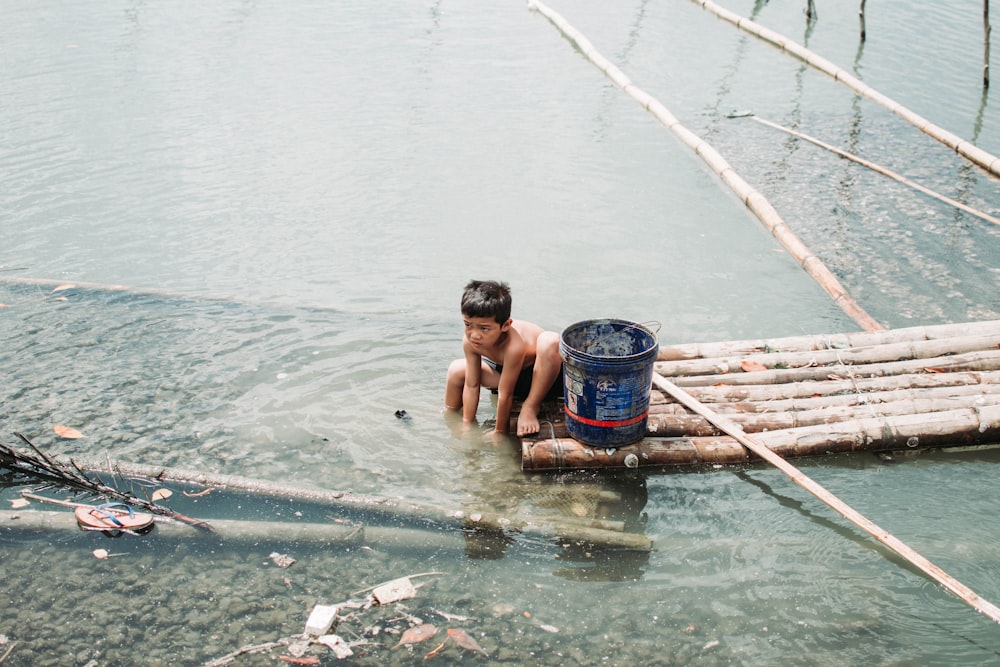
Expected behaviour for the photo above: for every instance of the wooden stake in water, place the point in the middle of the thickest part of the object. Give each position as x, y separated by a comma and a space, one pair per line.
930, 569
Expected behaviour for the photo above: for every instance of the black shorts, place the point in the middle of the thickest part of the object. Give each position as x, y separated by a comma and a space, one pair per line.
523, 385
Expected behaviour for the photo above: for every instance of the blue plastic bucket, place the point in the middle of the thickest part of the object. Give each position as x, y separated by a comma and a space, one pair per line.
607, 377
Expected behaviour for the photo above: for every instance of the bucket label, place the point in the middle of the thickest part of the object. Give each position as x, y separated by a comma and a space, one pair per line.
612, 398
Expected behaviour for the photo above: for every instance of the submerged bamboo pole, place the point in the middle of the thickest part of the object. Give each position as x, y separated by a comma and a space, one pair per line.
877, 168
969, 596
963, 147
575, 530
753, 199
257, 533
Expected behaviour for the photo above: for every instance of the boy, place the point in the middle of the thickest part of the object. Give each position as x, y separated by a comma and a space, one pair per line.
516, 358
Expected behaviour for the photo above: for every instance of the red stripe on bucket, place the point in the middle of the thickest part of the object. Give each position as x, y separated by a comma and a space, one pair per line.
606, 424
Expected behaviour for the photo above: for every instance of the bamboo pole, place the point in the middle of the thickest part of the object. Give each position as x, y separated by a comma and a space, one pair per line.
722, 393
869, 354
968, 361
962, 427
590, 532
852, 397
987, 29
875, 167
808, 342
668, 425
258, 533
753, 199
958, 588
964, 148
861, 20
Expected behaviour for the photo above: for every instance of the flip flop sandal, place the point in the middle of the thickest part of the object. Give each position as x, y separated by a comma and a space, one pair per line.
113, 519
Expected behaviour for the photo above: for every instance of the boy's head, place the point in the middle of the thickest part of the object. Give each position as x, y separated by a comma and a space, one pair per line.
487, 298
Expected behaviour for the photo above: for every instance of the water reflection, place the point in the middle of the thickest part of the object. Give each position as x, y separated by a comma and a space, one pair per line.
588, 511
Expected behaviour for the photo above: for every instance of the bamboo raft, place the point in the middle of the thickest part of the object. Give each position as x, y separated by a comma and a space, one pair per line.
904, 389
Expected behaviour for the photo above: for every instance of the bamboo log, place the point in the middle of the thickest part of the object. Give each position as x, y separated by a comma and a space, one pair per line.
950, 428
806, 343
257, 533
682, 425
808, 388
970, 392
753, 199
673, 420
396, 511
969, 361
958, 588
868, 354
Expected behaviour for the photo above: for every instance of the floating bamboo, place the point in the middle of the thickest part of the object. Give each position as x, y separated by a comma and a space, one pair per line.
919, 387
950, 428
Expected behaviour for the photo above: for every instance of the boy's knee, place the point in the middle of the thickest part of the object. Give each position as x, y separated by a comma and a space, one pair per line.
456, 370
547, 345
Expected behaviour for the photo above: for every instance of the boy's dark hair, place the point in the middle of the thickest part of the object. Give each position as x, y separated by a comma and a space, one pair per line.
487, 298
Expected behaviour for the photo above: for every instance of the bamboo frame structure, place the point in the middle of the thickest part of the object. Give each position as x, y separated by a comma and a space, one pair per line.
963, 147
931, 386
752, 198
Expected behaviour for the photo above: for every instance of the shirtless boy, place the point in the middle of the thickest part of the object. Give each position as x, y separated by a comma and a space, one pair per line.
515, 357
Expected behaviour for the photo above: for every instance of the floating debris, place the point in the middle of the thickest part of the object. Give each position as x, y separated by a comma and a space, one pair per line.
394, 591
416, 634
336, 644
281, 560
67, 432
461, 638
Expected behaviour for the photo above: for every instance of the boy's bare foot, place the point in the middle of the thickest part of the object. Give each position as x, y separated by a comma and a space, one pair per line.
527, 421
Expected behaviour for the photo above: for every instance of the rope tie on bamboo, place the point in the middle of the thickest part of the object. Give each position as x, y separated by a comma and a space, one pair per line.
753, 199
857, 391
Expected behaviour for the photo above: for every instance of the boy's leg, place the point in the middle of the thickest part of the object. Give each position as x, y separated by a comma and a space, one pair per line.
454, 385
547, 366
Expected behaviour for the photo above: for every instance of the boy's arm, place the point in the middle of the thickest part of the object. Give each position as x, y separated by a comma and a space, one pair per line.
512, 362
473, 377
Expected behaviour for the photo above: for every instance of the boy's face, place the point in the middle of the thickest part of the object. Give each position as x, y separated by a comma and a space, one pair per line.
484, 332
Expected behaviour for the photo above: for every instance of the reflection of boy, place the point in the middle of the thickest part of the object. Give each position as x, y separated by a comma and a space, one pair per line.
515, 357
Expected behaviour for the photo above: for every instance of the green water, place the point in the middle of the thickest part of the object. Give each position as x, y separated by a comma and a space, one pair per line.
297, 193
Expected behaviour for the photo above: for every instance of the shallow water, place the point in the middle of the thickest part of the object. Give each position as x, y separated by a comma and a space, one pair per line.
296, 195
